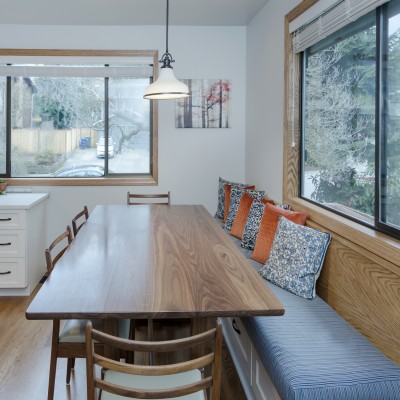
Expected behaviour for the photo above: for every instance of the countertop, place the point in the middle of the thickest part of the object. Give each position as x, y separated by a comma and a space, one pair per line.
21, 201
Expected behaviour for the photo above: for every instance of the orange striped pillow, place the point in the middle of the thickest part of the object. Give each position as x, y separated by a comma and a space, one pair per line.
268, 225
227, 201
241, 215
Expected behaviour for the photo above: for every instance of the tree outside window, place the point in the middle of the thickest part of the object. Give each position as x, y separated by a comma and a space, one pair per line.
344, 108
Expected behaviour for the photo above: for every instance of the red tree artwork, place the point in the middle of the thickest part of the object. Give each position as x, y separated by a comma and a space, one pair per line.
207, 107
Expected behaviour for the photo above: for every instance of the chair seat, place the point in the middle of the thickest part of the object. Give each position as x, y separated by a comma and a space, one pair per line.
153, 382
73, 330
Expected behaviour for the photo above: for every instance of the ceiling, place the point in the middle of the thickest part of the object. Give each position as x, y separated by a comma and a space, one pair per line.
129, 12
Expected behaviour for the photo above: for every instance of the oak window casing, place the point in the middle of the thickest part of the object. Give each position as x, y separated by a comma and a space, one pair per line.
379, 244
108, 180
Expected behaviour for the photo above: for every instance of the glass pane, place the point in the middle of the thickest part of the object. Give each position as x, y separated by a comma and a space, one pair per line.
129, 124
339, 125
3, 91
391, 161
56, 122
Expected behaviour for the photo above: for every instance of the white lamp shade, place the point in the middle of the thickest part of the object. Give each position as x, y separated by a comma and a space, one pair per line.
166, 87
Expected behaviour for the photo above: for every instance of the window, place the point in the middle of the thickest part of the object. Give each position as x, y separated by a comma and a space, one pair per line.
60, 114
3, 101
350, 158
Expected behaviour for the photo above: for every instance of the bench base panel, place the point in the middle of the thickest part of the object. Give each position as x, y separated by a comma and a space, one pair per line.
254, 378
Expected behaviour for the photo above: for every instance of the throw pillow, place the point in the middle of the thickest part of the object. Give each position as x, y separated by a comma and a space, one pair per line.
242, 213
252, 225
236, 195
268, 225
221, 196
296, 258
227, 201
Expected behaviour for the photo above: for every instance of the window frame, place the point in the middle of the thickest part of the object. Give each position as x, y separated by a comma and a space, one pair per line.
376, 221
109, 180
376, 244
369, 221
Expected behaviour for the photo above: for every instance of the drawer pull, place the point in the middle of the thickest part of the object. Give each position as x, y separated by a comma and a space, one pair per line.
5, 219
5, 273
5, 244
235, 328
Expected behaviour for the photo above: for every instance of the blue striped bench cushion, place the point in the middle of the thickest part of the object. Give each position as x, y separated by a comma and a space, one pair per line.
311, 353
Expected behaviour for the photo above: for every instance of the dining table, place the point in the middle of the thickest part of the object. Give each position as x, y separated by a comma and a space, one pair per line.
152, 262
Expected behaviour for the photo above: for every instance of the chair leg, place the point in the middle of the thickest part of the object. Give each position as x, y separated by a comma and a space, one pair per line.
70, 366
53, 359
132, 329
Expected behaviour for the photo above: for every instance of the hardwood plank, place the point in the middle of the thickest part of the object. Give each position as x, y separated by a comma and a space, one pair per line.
25, 355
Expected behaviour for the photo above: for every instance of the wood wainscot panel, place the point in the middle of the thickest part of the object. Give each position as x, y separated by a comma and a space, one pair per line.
364, 290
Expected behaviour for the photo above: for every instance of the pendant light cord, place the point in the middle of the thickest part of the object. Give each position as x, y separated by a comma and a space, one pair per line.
167, 59
166, 44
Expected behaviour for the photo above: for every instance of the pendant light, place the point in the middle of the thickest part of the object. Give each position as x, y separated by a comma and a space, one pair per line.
166, 86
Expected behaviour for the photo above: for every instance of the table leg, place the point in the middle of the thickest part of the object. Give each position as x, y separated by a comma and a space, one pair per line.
110, 326
150, 337
198, 325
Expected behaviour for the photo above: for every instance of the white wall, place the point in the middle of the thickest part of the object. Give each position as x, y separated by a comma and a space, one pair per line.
190, 160
265, 96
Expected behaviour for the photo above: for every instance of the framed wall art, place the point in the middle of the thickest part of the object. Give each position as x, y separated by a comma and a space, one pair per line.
207, 107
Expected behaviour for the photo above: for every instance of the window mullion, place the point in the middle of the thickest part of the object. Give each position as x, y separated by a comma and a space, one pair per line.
380, 119
382, 219
8, 128
106, 123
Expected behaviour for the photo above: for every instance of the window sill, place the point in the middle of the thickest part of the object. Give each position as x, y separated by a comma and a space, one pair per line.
377, 246
117, 181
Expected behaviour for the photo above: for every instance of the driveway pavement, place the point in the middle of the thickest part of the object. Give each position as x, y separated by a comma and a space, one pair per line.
129, 161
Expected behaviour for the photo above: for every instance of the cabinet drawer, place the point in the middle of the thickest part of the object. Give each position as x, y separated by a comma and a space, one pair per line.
241, 343
12, 219
12, 273
12, 243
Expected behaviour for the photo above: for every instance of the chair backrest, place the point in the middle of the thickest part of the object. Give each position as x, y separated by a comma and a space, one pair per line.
76, 225
52, 261
210, 343
134, 199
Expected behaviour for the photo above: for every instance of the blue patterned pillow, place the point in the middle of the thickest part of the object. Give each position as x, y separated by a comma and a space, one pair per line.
296, 258
236, 195
252, 225
221, 195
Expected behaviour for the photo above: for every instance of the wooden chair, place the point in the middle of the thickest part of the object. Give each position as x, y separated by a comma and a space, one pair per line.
135, 199
159, 381
57, 242
69, 341
76, 225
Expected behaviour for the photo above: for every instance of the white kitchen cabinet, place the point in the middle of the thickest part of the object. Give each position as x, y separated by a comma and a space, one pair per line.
22, 242
255, 380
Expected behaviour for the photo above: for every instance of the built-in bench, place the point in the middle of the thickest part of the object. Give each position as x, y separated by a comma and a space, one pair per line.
309, 353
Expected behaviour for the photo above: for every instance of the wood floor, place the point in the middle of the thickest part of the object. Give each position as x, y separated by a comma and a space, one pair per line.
25, 354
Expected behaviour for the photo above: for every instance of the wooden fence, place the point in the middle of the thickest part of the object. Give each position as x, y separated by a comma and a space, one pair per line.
35, 141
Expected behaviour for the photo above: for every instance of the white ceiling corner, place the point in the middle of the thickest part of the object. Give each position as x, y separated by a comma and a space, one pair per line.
129, 12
